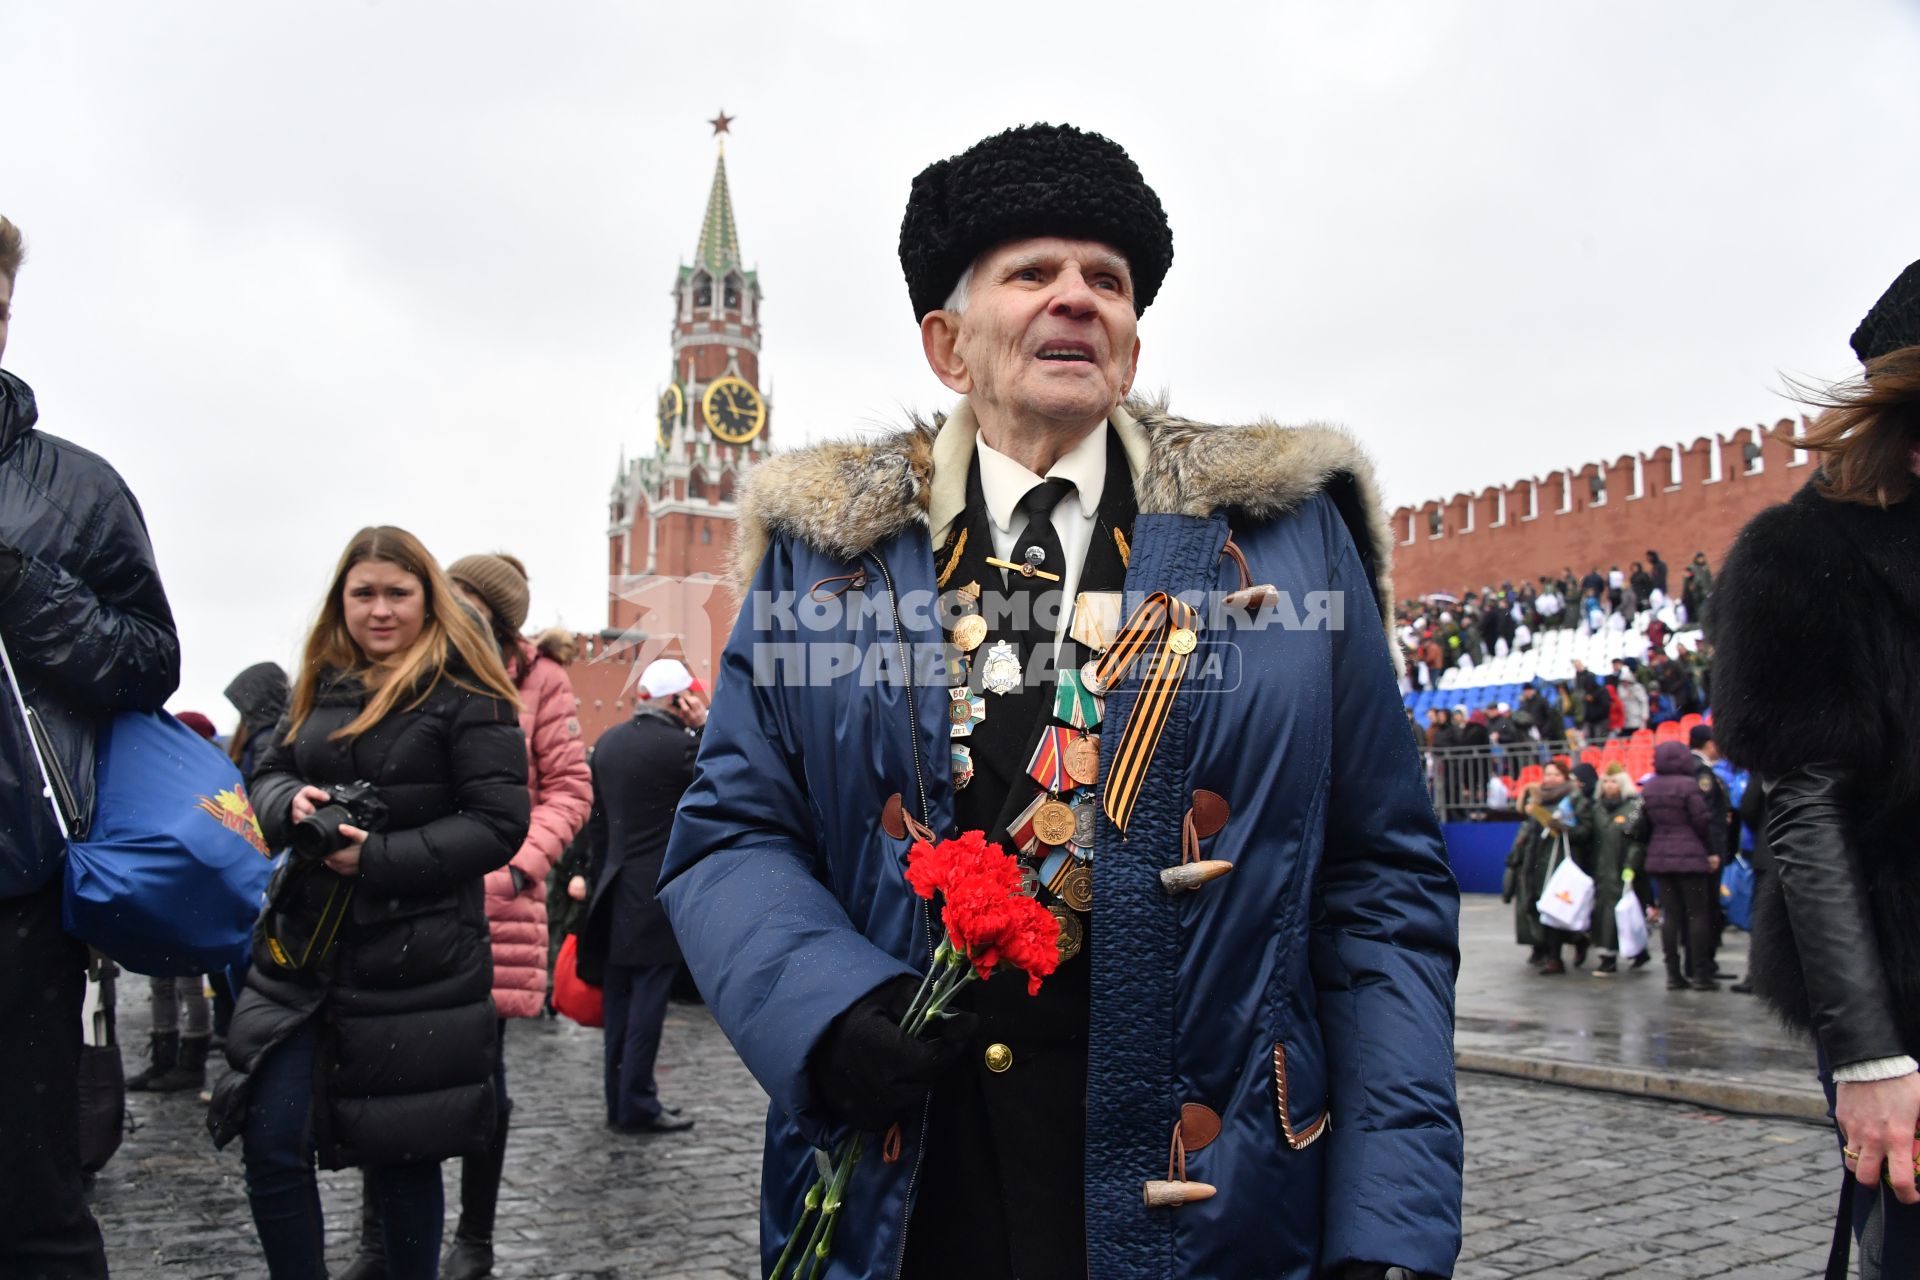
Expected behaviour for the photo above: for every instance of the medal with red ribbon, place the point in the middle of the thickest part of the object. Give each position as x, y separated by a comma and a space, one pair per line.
1048, 767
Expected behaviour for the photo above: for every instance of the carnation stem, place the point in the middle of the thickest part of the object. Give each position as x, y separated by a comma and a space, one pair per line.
940, 955
843, 1162
815, 1194
943, 995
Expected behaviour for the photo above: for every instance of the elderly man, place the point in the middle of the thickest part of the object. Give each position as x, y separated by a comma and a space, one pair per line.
1230, 1074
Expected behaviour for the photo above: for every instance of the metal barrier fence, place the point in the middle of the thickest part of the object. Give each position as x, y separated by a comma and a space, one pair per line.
1473, 782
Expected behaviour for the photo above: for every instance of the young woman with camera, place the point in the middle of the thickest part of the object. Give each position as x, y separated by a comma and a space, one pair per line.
365, 1035
561, 790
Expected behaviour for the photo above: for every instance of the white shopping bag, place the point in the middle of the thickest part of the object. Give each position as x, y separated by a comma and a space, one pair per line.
1567, 901
1630, 919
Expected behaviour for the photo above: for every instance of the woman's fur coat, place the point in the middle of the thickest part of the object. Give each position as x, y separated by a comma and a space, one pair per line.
1815, 621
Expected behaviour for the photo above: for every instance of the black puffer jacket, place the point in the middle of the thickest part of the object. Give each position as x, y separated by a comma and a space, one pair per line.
407, 1018
84, 618
1816, 633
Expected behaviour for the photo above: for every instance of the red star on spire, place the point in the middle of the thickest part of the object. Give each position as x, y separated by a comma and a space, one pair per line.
720, 123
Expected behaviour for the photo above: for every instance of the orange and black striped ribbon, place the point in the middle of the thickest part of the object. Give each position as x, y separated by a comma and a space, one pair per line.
1152, 624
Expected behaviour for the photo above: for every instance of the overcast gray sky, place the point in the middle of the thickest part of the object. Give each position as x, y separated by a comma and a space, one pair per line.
298, 267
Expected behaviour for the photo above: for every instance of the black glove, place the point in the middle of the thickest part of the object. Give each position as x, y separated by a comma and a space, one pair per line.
519, 878
868, 1073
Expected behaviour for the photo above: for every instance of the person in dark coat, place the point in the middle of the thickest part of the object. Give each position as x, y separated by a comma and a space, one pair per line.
365, 1034
87, 626
1678, 829
640, 771
1825, 588
1619, 863
1550, 833
260, 695
1656, 571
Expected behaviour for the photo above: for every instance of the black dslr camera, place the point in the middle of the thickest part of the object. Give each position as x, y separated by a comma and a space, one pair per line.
357, 804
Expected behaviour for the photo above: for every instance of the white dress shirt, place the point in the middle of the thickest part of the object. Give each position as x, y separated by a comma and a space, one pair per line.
1004, 482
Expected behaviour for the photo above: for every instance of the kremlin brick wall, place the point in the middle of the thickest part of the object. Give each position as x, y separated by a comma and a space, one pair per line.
1674, 500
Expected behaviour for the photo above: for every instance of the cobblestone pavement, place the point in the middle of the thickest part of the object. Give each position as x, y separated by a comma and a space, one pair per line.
1560, 1182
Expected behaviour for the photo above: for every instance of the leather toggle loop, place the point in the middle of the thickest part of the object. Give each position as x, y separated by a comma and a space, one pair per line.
1205, 818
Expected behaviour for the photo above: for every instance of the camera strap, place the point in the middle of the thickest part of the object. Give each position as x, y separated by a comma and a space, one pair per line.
53, 783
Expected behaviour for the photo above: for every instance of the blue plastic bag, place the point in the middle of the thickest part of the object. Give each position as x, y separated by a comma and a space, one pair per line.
173, 873
1736, 893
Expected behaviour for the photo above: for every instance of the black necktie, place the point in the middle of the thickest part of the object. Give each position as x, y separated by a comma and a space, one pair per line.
1038, 544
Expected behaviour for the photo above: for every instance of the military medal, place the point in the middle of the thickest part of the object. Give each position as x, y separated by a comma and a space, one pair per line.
965, 710
1071, 931
1082, 760
1090, 678
1083, 824
1096, 619
1048, 765
1053, 822
962, 767
1074, 886
1074, 703
969, 632
1020, 830
1000, 671
1183, 640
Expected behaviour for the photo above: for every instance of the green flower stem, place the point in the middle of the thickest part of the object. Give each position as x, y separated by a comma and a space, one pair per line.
940, 958
944, 993
843, 1162
815, 1194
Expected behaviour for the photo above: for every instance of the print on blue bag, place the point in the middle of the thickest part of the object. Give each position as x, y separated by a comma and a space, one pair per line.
173, 873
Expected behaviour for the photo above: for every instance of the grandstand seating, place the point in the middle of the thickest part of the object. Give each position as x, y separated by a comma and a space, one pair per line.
1549, 662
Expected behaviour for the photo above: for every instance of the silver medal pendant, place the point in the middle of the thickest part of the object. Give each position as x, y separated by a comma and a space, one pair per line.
1000, 670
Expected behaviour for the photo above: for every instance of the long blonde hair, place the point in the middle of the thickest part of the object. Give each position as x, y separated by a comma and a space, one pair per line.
448, 630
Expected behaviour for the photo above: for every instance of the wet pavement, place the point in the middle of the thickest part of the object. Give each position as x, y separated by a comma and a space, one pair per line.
1629, 1032
1560, 1181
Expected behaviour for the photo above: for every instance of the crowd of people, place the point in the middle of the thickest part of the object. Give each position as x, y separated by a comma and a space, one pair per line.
428, 777
1662, 837
429, 755
1443, 632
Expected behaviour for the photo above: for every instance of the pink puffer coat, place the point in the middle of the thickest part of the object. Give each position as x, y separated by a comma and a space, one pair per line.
562, 798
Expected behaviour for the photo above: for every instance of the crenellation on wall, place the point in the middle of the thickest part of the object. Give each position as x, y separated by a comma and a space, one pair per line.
1677, 498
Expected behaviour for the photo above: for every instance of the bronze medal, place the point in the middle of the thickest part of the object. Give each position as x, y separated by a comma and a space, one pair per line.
1076, 888
1083, 760
1071, 932
969, 633
1053, 823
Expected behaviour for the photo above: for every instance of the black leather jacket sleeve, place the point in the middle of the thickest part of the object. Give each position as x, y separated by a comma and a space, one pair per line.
1825, 884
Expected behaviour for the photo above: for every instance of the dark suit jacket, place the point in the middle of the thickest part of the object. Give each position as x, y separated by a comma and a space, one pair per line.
640, 770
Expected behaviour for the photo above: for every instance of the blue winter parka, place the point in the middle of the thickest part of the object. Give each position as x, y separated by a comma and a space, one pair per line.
1306, 999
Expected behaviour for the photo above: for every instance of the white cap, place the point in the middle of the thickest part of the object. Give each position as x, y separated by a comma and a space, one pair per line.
665, 677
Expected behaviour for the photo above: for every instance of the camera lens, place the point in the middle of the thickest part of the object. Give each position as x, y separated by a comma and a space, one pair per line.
319, 834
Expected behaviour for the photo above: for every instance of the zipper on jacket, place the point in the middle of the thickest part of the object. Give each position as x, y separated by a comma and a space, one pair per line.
926, 912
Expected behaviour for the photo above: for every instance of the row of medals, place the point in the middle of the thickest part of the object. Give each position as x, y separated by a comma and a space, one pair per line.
1054, 833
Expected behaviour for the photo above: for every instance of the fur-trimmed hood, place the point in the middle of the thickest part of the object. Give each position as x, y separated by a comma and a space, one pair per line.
846, 497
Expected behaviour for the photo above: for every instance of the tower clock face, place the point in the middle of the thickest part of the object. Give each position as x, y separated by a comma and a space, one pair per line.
672, 405
734, 410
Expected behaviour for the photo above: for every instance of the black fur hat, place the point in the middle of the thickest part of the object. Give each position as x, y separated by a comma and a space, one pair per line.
1036, 180
1894, 321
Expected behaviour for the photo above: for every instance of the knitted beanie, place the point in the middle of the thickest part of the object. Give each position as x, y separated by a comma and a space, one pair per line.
199, 724
1894, 321
1036, 180
500, 580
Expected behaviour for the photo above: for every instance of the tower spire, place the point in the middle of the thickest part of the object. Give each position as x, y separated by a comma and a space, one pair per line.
719, 236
